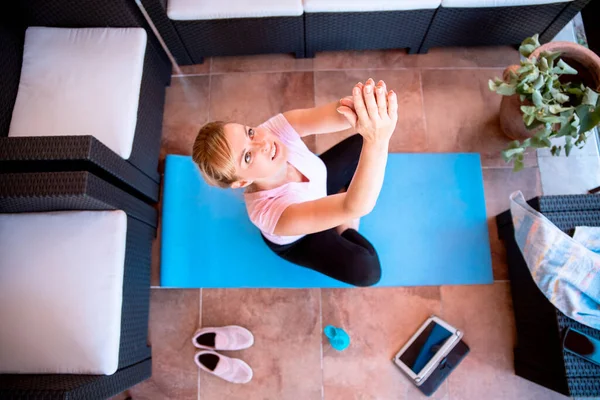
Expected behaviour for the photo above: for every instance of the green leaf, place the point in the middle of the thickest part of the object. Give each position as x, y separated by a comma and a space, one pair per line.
525, 68
551, 56
550, 119
568, 146
564, 68
530, 43
528, 119
531, 76
506, 89
518, 163
546, 142
522, 97
575, 91
555, 150
557, 109
492, 85
543, 64
590, 97
526, 49
537, 99
534, 124
549, 83
539, 82
564, 130
558, 96
589, 116
529, 110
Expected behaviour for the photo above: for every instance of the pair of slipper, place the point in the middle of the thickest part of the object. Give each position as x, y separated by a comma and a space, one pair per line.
226, 338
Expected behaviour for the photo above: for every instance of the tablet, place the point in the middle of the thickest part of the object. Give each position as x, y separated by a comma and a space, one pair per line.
427, 348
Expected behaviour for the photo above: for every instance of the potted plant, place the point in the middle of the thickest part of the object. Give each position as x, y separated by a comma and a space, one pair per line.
552, 94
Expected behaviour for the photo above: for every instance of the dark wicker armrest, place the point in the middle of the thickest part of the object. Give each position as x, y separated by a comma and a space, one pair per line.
51, 387
78, 190
65, 153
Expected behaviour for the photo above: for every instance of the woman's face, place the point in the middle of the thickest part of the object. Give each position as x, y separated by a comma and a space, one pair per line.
258, 154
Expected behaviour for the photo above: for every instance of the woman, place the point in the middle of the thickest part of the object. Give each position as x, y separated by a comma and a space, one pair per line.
306, 206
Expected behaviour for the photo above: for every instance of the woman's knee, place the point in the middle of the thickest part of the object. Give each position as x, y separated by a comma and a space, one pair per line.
365, 271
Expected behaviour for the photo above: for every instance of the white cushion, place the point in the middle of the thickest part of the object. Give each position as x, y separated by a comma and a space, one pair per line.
314, 6
61, 286
496, 3
221, 9
81, 82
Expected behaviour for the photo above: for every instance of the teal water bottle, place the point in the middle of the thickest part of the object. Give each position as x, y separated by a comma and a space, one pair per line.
338, 337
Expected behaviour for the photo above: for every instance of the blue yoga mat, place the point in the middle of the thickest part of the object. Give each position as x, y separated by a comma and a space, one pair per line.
429, 228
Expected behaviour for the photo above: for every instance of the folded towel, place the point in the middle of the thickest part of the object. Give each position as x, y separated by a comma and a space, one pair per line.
566, 269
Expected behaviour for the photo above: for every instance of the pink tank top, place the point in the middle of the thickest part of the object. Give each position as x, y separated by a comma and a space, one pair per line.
266, 206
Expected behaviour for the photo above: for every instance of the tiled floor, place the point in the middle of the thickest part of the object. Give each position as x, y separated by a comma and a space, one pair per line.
445, 107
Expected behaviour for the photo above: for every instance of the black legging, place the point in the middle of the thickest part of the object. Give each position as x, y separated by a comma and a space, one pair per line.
348, 257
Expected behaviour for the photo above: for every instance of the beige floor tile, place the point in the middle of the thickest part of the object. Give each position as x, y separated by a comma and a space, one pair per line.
261, 63
286, 356
499, 183
255, 97
462, 114
379, 321
366, 59
186, 110
194, 69
468, 57
409, 135
174, 317
484, 313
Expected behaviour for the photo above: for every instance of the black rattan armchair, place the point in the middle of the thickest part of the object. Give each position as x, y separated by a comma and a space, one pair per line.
138, 174
59, 191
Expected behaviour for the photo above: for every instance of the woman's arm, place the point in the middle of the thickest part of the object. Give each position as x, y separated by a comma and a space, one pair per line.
377, 116
322, 119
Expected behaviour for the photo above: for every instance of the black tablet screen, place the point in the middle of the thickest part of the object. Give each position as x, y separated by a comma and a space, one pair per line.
425, 346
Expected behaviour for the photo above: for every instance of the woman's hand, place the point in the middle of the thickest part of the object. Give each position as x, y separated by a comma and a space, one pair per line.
373, 111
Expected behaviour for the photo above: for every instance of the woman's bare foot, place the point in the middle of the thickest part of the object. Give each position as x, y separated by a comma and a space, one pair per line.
351, 224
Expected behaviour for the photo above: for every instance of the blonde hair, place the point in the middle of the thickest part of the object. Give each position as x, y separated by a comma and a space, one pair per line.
212, 153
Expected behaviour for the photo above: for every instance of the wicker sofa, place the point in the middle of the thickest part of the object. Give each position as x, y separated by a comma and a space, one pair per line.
539, 355
475, 23
85, 150
45, 194
329, 25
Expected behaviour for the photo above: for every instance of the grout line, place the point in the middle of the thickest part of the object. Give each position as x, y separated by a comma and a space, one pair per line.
321, 343
334, 70
508, 167
198, 386
187, 75
200, 307
210, 67
423, 108
208, 100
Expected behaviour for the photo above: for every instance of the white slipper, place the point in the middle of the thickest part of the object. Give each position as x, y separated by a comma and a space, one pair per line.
226, 338
230, 369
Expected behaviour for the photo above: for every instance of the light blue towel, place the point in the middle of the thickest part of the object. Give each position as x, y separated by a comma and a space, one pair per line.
567, 270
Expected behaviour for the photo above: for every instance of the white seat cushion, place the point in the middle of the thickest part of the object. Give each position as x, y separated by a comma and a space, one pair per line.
81, 82
496, 3
222, 9
314, 6
61, 286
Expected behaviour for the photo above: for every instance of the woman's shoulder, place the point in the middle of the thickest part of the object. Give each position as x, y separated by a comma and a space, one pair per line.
280, 126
